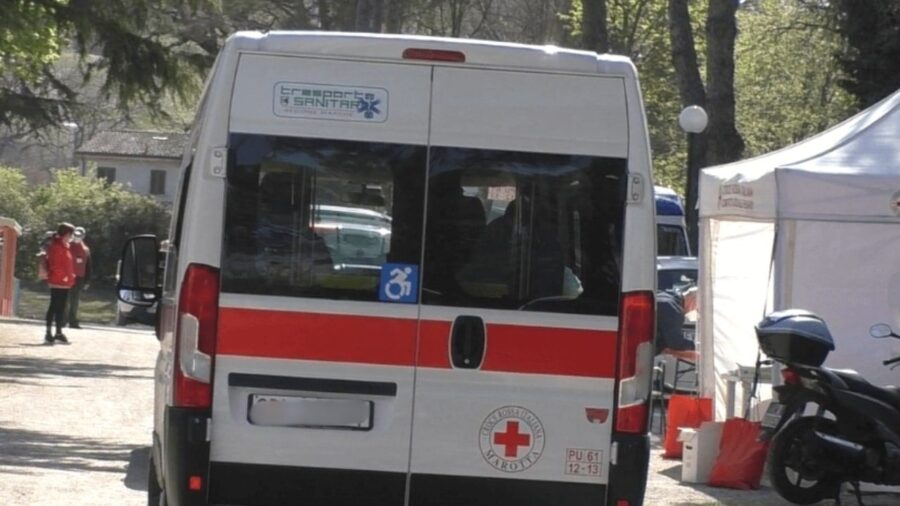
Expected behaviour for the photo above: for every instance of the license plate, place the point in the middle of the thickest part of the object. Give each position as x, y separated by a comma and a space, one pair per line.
310, 412
584, 462
773, 415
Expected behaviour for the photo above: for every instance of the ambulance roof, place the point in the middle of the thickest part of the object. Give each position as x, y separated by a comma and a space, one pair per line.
391, 47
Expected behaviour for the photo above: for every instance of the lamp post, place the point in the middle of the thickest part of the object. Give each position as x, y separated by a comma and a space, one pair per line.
693, 121
76, 141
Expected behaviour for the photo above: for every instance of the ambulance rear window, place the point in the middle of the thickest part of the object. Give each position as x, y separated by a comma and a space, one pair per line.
502, 230
319, 218
524, 231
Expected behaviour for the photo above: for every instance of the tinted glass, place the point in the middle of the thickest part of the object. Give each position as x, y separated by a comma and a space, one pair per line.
526, 231
670, 241
319, 218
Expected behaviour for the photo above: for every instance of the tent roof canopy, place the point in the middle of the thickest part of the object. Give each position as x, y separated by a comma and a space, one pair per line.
850, 172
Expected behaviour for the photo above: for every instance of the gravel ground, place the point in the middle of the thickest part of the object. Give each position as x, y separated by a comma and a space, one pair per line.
664, 487
75, 425
75, 421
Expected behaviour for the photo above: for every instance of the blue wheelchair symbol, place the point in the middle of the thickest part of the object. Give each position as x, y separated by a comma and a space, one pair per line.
399, 283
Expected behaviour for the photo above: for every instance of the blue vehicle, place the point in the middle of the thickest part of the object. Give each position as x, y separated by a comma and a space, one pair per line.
671, 229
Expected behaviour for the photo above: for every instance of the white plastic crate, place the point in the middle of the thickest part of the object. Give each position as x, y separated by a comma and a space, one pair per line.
701, 447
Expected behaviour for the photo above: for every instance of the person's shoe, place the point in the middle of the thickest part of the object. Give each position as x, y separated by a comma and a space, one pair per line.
61, 339
74, 326
48, 339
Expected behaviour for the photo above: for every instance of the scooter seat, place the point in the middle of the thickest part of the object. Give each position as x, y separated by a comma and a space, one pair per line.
890, 395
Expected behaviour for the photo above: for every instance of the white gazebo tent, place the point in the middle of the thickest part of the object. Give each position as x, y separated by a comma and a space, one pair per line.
823, 218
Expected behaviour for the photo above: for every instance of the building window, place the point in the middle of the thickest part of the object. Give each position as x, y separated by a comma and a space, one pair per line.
157, 182
107, 173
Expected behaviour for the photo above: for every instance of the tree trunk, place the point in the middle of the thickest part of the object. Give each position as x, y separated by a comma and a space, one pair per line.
394, 15
299, 20
342, 14
369, 15
725, 143
691, 91
594, 31
684, 55
324, 15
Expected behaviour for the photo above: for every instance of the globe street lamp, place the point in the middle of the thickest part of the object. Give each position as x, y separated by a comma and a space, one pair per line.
693, 121
77, 134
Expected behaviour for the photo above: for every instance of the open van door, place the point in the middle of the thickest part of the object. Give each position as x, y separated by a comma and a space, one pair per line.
515, 386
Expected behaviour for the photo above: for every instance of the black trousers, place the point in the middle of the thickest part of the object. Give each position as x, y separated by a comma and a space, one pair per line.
72, 302
57, 310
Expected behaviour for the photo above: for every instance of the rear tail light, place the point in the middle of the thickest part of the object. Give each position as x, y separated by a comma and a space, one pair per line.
195, 483
198, 314
635, 367
790, 377
415, 53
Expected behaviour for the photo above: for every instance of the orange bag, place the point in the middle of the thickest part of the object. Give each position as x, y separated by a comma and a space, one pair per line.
684, 411
741, 457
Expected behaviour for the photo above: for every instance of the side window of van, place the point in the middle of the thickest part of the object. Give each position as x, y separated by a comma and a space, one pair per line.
527, 231
317, 217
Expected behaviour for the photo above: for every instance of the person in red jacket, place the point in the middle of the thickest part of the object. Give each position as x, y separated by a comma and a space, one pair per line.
60, 278
82, 257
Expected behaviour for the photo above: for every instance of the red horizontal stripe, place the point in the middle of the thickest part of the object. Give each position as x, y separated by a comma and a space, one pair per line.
541, 350
312, 336
392, 341
434, 346
525, 349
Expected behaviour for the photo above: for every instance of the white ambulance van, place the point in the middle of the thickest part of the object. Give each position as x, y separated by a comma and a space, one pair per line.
406, 271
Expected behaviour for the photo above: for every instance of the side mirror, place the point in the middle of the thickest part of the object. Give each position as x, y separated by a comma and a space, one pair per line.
138, 271
881, 331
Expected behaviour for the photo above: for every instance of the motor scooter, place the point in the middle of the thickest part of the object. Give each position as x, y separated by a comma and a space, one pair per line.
827, 426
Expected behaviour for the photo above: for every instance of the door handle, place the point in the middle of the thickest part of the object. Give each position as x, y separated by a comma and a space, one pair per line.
467, 340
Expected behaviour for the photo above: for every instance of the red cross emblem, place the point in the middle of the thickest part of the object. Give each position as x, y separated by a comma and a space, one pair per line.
512, 439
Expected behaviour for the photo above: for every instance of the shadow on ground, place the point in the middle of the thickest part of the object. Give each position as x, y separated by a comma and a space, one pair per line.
16, 369
138, 467
23, 449
132, 328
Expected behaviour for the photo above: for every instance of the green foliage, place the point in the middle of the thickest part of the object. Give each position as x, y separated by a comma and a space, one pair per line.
28, 42
139, 61
14, 196
109, 213
871, 29
786, 77
786, 73
639, 30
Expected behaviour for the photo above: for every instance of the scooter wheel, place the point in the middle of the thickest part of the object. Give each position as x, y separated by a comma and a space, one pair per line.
794, 468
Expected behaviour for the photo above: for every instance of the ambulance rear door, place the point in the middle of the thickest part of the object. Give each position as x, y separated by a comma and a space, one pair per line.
314, 368
521, 277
